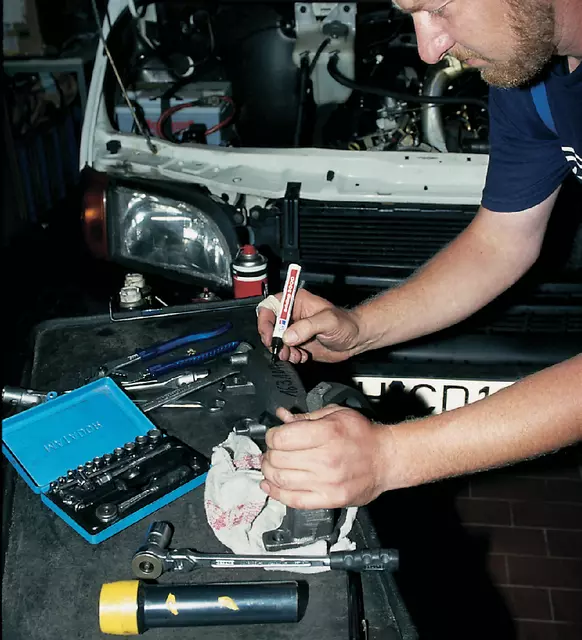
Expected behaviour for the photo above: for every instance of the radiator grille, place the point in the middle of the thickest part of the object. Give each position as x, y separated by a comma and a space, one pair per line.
538, 320
395, 237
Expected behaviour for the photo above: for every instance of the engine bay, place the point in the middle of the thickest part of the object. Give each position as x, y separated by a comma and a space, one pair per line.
343, 76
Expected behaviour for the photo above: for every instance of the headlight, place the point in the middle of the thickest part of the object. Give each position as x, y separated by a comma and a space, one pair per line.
155, 232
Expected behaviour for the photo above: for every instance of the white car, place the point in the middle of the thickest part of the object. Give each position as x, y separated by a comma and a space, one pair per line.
315, 132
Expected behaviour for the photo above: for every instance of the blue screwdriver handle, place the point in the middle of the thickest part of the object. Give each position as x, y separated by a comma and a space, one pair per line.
159, 349
198, 358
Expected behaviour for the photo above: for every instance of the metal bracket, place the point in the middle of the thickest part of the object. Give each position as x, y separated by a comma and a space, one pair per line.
290, 223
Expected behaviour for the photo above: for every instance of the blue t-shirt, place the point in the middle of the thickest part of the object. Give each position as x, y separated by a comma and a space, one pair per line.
528, 162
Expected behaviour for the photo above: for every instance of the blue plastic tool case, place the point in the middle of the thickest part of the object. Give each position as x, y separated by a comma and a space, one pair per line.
46, 441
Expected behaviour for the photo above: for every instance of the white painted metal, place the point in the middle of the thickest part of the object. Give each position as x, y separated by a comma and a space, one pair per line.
324, 174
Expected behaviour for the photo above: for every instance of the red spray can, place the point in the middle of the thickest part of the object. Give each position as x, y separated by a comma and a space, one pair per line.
249, 273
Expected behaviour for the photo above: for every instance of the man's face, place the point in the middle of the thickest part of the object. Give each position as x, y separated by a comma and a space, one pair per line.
509, 41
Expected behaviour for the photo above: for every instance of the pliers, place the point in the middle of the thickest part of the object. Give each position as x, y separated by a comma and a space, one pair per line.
116, 368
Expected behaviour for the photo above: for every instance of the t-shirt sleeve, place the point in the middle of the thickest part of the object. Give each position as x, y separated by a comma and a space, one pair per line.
526, 162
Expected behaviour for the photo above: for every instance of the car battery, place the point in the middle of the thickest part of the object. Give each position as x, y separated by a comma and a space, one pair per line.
210, 109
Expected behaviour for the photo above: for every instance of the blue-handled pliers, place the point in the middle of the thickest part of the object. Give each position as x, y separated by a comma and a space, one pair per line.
115, 368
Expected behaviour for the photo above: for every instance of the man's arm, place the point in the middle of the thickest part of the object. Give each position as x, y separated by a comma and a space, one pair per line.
344, 459
488, 257
537, 415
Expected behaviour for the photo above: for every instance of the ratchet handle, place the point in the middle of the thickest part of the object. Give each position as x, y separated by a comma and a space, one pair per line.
198, 358
164, 347
365, 560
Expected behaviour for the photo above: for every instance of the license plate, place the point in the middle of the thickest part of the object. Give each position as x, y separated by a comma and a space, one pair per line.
439, 394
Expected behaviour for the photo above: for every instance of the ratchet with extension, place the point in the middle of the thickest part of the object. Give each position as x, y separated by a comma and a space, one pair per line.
154, 558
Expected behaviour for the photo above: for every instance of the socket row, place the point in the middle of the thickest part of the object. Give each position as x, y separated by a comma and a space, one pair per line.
103, 463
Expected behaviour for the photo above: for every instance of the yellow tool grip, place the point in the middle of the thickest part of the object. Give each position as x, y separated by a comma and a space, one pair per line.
118, 608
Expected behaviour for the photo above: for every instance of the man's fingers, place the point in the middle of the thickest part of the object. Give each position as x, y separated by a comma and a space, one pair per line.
298, 460
296, 435
265, 325
304, 330
294, 479
294, 499
287, 416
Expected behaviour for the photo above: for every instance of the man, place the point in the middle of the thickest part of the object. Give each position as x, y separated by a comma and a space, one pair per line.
347, 460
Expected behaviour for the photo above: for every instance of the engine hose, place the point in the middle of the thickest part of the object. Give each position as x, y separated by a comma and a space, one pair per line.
332, 67
303, 82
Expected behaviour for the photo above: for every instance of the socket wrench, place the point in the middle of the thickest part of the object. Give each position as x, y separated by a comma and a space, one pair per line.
154, 558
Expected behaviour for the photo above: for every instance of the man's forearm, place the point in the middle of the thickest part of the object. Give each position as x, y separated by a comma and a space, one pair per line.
539, 414
485, 260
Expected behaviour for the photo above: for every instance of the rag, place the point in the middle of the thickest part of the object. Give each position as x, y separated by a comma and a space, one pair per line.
239, 511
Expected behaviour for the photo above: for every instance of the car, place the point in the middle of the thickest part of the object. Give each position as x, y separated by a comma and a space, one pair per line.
316, 133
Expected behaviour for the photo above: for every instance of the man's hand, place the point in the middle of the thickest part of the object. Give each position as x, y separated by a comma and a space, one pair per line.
333, 457
319, 329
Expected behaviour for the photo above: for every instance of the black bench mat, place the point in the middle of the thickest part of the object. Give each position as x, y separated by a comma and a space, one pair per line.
52, 577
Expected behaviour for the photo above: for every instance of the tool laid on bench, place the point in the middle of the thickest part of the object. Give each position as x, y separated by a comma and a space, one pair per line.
131, 607
154, 558
118, 368
174, 387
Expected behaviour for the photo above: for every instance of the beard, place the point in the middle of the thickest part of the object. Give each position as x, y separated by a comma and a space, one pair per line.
532, 25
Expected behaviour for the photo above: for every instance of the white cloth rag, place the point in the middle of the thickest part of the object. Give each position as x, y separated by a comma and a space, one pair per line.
239, 511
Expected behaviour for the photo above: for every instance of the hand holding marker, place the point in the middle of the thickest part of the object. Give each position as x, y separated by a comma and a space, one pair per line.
284, 315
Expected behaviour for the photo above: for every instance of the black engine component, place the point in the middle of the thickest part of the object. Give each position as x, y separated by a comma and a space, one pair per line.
302, 527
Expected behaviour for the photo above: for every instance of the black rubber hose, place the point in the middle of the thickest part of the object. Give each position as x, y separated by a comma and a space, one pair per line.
303, 84
318, 54
332, 67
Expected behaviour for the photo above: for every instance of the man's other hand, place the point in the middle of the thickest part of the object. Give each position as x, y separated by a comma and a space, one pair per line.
319, 329
332, 457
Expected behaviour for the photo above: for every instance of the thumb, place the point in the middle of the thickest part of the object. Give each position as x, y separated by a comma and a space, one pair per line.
306, 329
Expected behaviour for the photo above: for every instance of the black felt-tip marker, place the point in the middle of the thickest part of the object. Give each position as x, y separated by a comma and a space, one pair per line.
284, 315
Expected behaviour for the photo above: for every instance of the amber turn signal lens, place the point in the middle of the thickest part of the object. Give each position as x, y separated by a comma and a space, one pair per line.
94, 214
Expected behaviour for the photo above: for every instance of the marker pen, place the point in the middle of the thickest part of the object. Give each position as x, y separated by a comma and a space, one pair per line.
284, 315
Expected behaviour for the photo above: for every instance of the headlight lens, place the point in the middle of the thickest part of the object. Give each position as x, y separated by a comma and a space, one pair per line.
170, 235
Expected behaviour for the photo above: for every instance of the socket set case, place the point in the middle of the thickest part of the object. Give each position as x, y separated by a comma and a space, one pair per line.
64, 436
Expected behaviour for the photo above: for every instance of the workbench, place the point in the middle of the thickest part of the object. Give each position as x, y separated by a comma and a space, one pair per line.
52, 577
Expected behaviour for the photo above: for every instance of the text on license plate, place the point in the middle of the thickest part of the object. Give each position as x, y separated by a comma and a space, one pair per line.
439, 394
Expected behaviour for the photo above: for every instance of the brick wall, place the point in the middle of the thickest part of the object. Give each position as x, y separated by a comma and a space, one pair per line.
530, 517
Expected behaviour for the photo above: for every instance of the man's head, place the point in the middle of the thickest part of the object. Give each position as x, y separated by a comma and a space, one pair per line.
509, 41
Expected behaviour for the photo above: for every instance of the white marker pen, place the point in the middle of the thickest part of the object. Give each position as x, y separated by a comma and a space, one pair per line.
284, 315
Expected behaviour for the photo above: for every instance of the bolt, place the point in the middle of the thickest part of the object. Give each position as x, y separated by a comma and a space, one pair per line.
118, 451
129, 446
107, 458
141, 440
